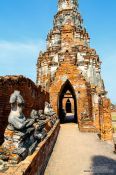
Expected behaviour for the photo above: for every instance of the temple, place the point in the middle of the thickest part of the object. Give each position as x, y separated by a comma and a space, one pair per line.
69, 88
70, 71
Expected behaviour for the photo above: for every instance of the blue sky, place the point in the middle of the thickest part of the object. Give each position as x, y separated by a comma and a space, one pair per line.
24, 25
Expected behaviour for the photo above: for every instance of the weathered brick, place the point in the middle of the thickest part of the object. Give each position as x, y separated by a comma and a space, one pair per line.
34, 97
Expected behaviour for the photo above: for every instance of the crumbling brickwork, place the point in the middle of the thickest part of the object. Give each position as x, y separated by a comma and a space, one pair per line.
69, 58
34, 97
81, 88
105, 120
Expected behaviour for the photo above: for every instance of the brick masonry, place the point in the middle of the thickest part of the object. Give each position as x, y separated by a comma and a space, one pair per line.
69, 57
34, 97
36, 163
70, 72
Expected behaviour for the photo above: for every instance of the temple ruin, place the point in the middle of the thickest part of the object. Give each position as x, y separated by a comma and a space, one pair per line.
70, 70
68, 84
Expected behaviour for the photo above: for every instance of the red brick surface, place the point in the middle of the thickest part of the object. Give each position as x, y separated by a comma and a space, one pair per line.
105, 120
34, 97
82, 90
36, 163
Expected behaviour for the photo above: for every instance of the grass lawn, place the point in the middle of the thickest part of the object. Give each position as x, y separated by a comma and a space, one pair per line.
114, 119
114, 127
113, 115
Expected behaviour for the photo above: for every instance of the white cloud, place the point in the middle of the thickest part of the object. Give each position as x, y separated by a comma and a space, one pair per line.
19, 57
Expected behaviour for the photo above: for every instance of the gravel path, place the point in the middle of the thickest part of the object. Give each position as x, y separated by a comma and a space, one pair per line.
77, 153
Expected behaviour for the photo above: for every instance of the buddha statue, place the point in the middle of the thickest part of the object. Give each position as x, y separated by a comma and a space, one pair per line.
41, 115
48, 110
16, 118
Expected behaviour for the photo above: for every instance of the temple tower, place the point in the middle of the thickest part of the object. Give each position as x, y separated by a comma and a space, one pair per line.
68, 34
67, 5
69, 64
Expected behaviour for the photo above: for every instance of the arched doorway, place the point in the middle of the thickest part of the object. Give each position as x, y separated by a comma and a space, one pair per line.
68, 106
67, 92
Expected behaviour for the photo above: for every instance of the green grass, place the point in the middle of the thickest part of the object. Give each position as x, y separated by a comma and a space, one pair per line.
114, 127
114, 116
114, 119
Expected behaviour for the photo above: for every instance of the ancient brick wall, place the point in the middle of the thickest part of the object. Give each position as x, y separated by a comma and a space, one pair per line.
37, 162
105, 120
34, 97
68, 71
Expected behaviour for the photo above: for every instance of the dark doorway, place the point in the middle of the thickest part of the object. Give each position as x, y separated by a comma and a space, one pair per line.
67, 114
68, 106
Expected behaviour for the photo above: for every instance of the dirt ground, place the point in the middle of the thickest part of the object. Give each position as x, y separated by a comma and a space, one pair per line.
77, 153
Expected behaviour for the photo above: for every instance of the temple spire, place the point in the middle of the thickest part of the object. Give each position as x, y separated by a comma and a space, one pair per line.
67, 4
